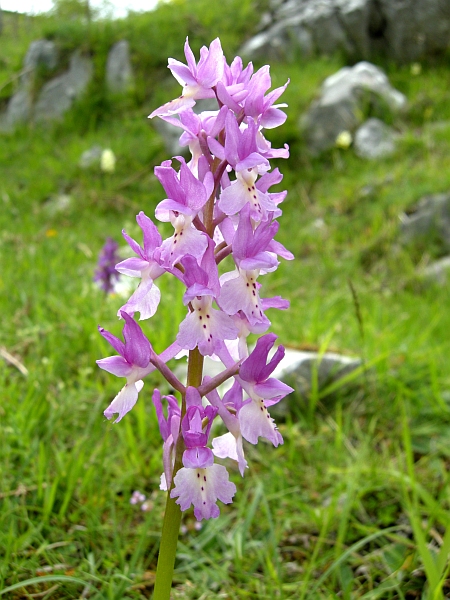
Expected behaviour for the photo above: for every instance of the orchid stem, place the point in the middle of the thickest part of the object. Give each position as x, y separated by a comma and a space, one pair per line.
172, 515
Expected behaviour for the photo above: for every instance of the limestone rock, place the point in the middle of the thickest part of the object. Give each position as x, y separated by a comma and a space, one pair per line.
41, 53
91, 157
58, 95
298, 368
119, 74
430, 218
374, 139
342, 100
403, 30
19, 109
438, 271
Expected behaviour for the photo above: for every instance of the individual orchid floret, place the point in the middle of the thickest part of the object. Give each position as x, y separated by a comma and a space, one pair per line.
260, 107
200, 482
145, 299
186, 197
198, 80
240, 292
242, 153
233, 89
169, 428
186, 194
204, 326
106, 274
254, 376
133, 363
202, 488
240, 149
250, 246
230, 444
195, 428
196, 130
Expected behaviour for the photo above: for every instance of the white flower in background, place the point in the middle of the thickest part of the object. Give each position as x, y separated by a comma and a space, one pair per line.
108, 161
416, 69
344, 140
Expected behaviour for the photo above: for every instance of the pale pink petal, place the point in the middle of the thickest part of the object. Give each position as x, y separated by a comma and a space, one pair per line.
116, 365
173, 107
202, 488
145, 300
132, 266
229, 446
256, 422
124, 401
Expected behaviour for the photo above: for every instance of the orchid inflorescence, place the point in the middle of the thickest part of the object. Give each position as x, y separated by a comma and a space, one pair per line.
220, 206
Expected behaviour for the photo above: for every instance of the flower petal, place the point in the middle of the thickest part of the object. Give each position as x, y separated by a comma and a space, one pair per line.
116, 365
202, 488
124, 401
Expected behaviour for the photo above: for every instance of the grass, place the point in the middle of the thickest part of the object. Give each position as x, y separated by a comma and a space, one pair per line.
355, 504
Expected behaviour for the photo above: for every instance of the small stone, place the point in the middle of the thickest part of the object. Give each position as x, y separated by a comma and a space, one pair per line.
91, 157
438, 271
340, 107
429, 218
119, 73
297, 370
374, 139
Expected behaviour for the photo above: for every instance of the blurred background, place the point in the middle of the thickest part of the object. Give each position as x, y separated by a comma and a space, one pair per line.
355, 504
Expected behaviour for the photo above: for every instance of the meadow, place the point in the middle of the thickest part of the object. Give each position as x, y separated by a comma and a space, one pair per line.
356, 503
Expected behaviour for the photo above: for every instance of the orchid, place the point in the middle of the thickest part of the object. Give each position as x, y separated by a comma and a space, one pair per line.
220, 206
106, 274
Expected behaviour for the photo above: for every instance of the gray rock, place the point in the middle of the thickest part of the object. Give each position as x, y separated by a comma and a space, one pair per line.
374, 139
282, 42
438, 271
354, 16
415, 28
298, 368
58, 95
91, 157
403, 30
60, 203
41, 53
19, 109
340, 106
321, 18
430, 218
119, 74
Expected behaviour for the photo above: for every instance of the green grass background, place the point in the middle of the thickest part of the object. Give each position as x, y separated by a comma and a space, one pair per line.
355, 504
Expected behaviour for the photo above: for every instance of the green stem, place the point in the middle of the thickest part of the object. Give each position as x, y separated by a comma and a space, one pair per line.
172, 515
